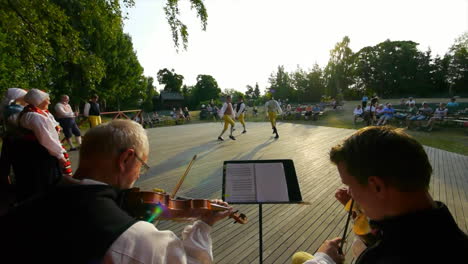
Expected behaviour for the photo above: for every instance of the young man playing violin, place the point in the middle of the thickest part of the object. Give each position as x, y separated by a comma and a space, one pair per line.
82, 222
388, 173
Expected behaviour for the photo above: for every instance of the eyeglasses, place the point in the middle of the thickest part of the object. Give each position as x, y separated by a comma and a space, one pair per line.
144, 167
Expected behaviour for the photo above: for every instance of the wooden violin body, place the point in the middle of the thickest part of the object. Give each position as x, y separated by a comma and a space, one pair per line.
149, 206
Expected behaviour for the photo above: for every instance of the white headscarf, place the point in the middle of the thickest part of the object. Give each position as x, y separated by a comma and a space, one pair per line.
13, 94
35, 97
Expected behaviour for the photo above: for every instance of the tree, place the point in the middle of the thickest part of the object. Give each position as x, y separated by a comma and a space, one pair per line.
256, 91
457, 69
179, 29
249, 94
172, 81
394, 68
76, 47
233, 93
206, 88
339, 68
315, 84
280, 84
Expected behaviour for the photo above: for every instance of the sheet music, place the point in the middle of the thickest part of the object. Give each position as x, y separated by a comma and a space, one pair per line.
256, 182
271, 182
240, 183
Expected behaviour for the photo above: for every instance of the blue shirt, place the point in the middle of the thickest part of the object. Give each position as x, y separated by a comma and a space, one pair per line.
364, 98
11, 110
452, 104
388, 111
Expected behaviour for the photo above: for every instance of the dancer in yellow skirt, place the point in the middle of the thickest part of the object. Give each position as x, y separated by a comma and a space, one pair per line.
227, 114
240, 112
272, 108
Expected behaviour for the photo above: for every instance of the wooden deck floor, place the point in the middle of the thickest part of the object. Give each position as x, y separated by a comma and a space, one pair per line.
286, 228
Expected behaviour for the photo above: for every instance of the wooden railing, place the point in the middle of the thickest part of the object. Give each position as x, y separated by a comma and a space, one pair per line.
121, 114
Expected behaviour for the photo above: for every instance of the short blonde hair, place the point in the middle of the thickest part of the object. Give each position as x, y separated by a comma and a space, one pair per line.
110, 139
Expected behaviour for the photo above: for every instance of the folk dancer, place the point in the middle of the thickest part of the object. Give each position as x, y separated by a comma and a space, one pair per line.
92, 111
227, 114
272, 108
47, 160
66, 118
81, 221
240, 112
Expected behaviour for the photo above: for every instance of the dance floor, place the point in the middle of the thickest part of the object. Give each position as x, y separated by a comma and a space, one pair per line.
286, 228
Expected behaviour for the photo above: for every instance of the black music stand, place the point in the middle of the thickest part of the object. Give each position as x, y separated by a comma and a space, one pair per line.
292, 185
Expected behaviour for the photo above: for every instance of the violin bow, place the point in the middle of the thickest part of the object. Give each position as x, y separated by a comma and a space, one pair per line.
340, 249
181, 180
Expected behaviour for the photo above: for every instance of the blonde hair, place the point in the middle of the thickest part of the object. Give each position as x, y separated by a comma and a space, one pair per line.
110, 139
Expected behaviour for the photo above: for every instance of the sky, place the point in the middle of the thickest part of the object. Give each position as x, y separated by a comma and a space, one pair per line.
246, 40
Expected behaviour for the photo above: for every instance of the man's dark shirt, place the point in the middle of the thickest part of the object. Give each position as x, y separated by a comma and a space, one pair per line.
429, 236
71, 224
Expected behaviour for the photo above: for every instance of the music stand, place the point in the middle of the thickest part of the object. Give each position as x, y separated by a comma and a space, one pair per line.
285, 185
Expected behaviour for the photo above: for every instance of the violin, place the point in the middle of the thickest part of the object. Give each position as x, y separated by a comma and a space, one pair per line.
149, 206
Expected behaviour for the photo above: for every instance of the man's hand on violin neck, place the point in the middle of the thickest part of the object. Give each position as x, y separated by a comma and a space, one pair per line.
211, 217
342, 195
330, 247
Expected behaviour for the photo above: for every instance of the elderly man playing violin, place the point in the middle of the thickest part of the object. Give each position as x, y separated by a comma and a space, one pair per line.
413, 228
81, 221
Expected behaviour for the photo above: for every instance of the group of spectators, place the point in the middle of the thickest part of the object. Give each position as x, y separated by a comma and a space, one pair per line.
180, 114
410, 115
309, 111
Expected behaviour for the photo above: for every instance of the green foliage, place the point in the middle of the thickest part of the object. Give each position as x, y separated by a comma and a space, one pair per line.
338, 71
179, 29
457, 68
172, 81
206, 88
77, 47
281, 86
234, 94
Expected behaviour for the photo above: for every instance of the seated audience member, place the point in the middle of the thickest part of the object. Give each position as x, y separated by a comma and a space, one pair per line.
155, 117
369, 113
439, 114
298, 112
255, 111
423, 114
186, 114
316, 112
288, 110
453, 102
411, 101
403, 102
379, 111
395, 197
357, 113
308, 112
215, 113
82, 221
387, 115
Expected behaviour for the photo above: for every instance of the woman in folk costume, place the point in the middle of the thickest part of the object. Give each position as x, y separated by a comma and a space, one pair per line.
227, 114
40, 160
12, 104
